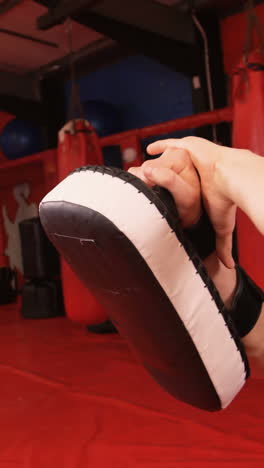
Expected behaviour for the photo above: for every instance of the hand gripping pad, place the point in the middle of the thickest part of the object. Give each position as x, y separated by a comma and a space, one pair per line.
130, 251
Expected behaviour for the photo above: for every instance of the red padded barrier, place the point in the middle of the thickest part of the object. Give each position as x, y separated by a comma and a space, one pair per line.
248, 124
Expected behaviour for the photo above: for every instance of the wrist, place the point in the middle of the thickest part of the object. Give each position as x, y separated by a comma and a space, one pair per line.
229, 171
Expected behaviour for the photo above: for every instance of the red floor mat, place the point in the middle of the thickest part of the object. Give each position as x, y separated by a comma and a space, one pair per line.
73, 400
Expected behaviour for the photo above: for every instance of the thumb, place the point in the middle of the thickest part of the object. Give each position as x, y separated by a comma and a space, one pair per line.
224, 249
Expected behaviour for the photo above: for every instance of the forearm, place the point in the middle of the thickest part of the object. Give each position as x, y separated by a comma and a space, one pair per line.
241, 178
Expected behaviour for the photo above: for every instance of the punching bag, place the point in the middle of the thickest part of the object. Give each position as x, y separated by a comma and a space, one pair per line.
248, 124
78, 146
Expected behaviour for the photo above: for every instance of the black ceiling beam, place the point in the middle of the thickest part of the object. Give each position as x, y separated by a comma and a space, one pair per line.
58, 14
150, 17
179, 54
176, 54
86, 60
143, 14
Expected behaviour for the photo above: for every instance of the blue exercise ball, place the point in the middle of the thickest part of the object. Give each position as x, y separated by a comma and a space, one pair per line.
103, 116
20, 138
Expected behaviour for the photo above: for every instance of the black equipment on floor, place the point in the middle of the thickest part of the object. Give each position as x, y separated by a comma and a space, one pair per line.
42, 295
8, 285
40, 258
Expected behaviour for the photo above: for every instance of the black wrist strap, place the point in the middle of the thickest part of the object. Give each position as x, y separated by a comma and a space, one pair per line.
247, 303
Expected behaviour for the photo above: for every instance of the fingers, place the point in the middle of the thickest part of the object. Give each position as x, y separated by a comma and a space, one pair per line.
174, 170
178, 160
185, 196
201, 151
167, 160
138, 172
191, 144
224, 249
161, 145
177, 175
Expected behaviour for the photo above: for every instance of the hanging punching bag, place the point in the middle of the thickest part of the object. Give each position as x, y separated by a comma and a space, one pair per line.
78, 146
248, 124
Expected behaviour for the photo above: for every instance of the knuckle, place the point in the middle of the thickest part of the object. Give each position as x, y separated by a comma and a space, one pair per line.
189, 139
148, 163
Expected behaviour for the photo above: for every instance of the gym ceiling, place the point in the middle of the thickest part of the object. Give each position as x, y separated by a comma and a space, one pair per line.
36, 43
